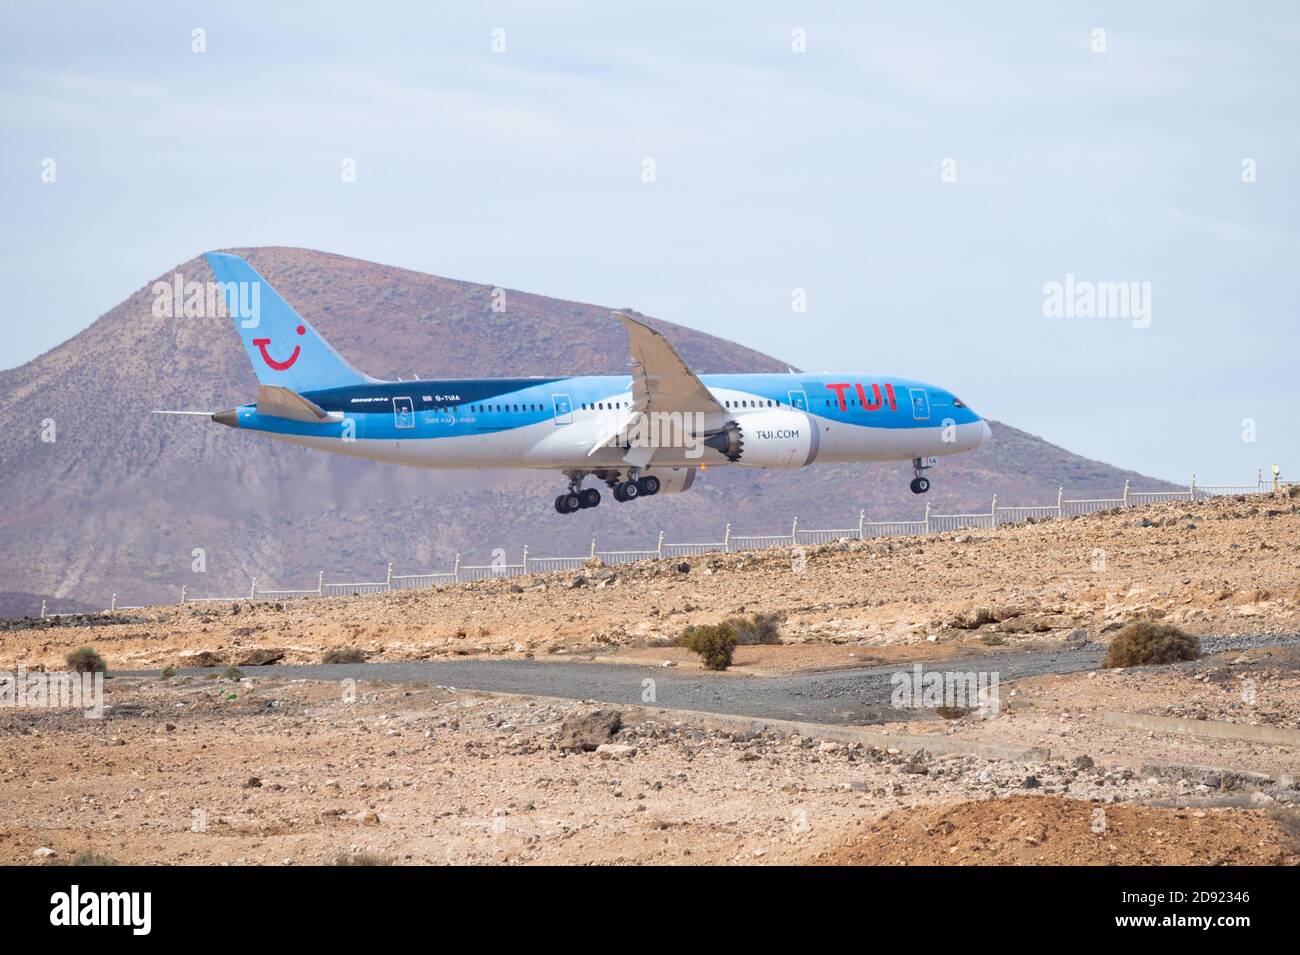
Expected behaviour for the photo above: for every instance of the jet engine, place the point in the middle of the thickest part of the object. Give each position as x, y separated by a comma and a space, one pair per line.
774, 438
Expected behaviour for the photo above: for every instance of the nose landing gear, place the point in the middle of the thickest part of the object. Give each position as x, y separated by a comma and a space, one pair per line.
920, 484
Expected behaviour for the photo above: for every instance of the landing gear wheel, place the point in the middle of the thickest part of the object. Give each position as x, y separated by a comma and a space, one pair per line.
572, 502
630, 491
920, 485
618, 493
590, 497
559, 505
648, 485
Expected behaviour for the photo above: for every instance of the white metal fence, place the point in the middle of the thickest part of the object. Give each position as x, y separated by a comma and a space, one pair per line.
931, 523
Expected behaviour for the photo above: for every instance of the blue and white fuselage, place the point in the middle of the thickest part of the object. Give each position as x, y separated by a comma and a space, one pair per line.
553, 422
585, 425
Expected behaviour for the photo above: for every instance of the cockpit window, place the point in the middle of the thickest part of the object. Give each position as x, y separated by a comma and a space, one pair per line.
957, 402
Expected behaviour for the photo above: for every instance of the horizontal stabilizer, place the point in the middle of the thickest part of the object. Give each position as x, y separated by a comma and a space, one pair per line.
279, 402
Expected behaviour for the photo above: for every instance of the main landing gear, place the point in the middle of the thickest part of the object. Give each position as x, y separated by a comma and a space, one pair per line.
920, 484
579, 498
640, 487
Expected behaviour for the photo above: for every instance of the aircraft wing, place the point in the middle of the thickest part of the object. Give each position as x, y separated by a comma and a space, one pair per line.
661, 380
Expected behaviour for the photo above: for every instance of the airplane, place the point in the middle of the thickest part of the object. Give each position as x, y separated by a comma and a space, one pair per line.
641, 434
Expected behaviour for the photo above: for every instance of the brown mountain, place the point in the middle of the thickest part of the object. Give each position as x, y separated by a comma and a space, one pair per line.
120, 499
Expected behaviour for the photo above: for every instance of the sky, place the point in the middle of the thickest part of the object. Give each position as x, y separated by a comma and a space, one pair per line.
876, 188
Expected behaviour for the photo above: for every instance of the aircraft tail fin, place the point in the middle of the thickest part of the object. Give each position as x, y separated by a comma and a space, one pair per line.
285, 350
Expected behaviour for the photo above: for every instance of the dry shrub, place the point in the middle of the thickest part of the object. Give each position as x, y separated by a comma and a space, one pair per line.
714, 642
1144, 642
758, 628
86, 660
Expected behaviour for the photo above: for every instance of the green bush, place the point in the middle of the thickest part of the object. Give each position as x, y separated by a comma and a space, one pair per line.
343, 655
232, 673
86, 660
714, 642
1144, 642
758, 628
168, 673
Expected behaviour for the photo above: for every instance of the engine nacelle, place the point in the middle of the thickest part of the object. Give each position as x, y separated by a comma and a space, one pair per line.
775, 438
672, 480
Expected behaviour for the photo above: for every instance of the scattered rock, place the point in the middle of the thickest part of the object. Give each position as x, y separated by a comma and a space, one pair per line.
200, 658
615, 751
586, 731
256, 656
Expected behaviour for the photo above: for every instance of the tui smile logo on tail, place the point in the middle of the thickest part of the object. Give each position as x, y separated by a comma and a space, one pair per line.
285, 365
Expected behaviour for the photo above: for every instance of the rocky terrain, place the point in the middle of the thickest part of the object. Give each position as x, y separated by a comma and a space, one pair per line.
1222, 566
193, 771
1024, 830
247, 769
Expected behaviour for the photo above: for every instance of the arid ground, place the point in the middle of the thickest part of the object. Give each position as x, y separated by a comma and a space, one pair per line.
216, 769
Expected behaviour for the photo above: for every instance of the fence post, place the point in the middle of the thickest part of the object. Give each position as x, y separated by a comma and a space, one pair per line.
1259, 479
593, 547
182, 593
862, 522
455, 571
659, 548
1192, 487
927, 517
794, 530
994, 510
726, 539
112, 604
525, 560
42, 609
1060, 502
252, 589
1125, 504
320, 584
388, 581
